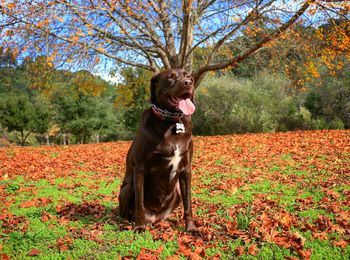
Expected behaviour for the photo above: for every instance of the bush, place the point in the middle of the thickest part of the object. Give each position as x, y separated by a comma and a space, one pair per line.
23, 115
261, 104
328, 99
336, 124
319, 124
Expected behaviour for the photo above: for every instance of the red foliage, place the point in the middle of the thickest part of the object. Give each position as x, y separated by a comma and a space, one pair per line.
34, 252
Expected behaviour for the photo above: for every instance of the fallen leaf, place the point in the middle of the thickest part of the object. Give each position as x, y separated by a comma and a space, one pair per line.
175, 257
239, 251
4, 257
291, 258
320, 236
45, 217
286, 220
341, 243
253, 250
305, 254
34, 252
146, 256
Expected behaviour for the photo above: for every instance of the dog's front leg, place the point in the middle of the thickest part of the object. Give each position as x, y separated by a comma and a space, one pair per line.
139, 196
185, 187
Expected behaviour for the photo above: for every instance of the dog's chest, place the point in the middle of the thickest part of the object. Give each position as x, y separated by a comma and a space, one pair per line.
174, 161
168, 159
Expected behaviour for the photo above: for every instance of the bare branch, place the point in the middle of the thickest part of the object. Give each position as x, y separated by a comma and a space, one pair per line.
150, 34
187, 33
235, 60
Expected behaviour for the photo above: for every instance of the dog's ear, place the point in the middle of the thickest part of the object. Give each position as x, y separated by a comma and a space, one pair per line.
154, 81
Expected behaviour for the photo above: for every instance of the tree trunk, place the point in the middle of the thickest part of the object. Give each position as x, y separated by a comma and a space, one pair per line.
47, 140
186, 55
22, 138
64, 135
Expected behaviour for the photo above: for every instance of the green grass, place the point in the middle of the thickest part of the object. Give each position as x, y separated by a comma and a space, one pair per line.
114, 243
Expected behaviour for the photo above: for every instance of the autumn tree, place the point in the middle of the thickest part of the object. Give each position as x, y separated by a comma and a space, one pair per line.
133, 95
7, 57
80, 107
9, 77
154, 34
300, 60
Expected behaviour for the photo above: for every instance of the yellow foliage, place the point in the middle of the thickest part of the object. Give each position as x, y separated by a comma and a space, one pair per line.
11, 5
87, 84
337, 43
135, 90
59, 19
75, 38
54, 130
311, 68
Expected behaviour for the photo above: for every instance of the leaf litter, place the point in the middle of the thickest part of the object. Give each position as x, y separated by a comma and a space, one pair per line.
229, 198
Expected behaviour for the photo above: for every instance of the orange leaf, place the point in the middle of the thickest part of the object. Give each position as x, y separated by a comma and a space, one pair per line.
291, 258
175, 257
34, 252
341, 243
4, 257
320, 236
63, 248
239, 251
146, 256
306, 254
286, 220
253, 250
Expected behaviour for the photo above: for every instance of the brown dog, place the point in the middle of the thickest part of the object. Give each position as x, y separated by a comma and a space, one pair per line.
158, 164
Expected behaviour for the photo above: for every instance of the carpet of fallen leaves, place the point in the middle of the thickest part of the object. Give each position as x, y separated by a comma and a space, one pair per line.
240, 193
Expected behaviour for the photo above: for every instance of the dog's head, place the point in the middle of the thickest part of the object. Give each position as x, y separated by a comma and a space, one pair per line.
173, 90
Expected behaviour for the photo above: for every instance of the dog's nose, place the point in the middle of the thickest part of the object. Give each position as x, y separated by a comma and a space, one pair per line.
187, 83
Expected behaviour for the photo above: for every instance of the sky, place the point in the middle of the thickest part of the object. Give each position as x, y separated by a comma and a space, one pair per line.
107, 77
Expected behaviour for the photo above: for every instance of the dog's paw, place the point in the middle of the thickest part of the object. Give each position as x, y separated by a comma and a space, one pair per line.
139, 228
125, 225
191, 227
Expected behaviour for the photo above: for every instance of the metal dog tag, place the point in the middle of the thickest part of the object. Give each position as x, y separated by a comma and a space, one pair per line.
179, 128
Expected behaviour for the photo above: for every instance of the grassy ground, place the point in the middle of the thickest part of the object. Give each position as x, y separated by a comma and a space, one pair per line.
264, 196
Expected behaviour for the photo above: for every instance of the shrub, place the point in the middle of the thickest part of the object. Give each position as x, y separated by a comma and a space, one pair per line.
23, 115
328, 99
336, 124
261, 104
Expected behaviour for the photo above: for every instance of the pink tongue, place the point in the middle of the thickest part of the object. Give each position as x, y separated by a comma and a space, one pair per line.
186, 106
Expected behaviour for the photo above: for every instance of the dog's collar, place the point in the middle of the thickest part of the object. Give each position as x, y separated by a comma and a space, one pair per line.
167, 115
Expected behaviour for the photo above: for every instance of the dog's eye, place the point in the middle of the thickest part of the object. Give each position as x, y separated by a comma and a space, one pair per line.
173, 76
187, 76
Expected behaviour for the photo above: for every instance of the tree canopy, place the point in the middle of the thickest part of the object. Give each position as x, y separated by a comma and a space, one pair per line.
19, 114
157, 34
